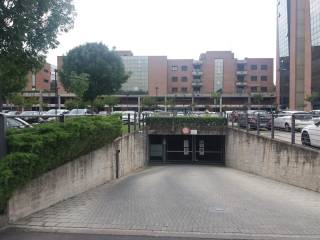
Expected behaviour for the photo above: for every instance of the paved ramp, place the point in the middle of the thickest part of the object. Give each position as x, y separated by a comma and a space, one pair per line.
188, 201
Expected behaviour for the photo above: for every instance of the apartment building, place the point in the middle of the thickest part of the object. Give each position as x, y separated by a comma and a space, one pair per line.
40, 80
298, 52
215, 71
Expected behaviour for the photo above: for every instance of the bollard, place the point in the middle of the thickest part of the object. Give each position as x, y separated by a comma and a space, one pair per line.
129, 123
258, 124
247, 123
293, 128
139, 121
117, 163
3, 142
272, 126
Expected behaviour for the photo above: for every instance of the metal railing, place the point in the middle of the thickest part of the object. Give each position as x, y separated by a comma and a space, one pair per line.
295, 128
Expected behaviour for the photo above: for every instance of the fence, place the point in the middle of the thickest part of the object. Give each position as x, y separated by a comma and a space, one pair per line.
296, 128
131, 123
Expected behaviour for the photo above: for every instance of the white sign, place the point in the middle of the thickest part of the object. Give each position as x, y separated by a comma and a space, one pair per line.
194, 132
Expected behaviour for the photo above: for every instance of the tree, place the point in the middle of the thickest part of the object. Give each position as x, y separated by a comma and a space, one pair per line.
148, 102
258, 98
111, 101
104, 68
27, 30
79, 84
215, 96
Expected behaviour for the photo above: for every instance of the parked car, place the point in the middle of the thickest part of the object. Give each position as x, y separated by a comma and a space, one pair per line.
31, 116
125, 116
78, 111
12, 113
310, 135
17, 123
51, 112
284, 120
252, 120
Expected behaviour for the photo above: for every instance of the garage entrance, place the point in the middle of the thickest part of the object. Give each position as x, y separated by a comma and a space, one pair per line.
186, 149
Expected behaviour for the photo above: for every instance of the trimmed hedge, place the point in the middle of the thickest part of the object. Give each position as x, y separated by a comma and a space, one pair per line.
168, 122
35, 151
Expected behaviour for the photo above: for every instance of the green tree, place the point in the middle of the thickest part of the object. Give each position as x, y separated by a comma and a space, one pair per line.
105, 69
99, 103
215, 96
17, 100
27, 30
257, 99
75, 103
79, 84
148, 102
111, 101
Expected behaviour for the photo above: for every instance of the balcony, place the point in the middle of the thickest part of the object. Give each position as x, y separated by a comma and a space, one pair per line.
197, 62
242, 72
241, 84
197, 73
196, 83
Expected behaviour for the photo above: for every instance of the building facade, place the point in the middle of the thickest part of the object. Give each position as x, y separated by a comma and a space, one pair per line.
40, 80
298, 53
215, 71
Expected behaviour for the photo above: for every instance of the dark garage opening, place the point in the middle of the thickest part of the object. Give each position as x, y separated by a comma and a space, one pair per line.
187, 149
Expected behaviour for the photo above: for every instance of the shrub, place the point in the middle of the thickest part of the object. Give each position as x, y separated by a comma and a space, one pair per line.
35, 151
186, 121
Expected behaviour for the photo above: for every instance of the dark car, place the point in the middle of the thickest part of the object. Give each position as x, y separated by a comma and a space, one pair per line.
251, 118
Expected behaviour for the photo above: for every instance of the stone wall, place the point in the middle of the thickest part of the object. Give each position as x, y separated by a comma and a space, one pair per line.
80, 175
281, 161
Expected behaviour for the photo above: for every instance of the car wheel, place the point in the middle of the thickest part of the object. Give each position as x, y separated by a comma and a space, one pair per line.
305, 139
287, 127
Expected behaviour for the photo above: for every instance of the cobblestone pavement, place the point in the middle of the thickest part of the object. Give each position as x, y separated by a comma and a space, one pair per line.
213, 201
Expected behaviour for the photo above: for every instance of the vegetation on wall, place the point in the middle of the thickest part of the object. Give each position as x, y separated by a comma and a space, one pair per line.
35, 151
168, 122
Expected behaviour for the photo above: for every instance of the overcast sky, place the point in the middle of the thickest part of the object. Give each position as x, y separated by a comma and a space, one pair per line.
175, 28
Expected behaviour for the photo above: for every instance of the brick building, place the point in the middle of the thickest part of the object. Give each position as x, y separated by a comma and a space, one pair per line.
215, 71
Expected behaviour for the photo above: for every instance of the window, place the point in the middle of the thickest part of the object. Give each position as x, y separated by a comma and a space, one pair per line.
254, 67
46, 70
254, 89
240, 78
184, 89
184, 79
264, 89
264, 78
174, 68
184, 68
264, 67
174, 90
254, 78
46, 80
174, 79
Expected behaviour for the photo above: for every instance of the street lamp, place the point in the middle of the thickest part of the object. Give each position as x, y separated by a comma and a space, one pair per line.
56, 90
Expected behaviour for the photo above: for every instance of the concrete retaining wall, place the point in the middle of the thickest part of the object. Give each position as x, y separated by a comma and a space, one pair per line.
281, 161
80, 175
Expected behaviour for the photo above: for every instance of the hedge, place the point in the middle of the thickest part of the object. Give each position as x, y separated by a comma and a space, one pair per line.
37, 150
186, 121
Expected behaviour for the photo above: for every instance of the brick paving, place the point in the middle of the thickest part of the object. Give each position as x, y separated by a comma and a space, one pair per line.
189, 199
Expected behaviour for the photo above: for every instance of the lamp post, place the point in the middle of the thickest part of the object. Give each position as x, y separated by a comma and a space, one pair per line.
56, 90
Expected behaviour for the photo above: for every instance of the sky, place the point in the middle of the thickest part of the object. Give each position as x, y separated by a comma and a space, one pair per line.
174, 28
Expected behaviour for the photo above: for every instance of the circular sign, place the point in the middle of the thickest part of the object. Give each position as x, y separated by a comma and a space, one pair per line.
185, 130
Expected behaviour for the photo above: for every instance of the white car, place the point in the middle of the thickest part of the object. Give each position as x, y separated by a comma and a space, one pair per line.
284, 120
125, 116
310, 135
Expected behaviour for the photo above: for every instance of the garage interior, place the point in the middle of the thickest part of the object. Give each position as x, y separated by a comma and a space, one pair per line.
187, 149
